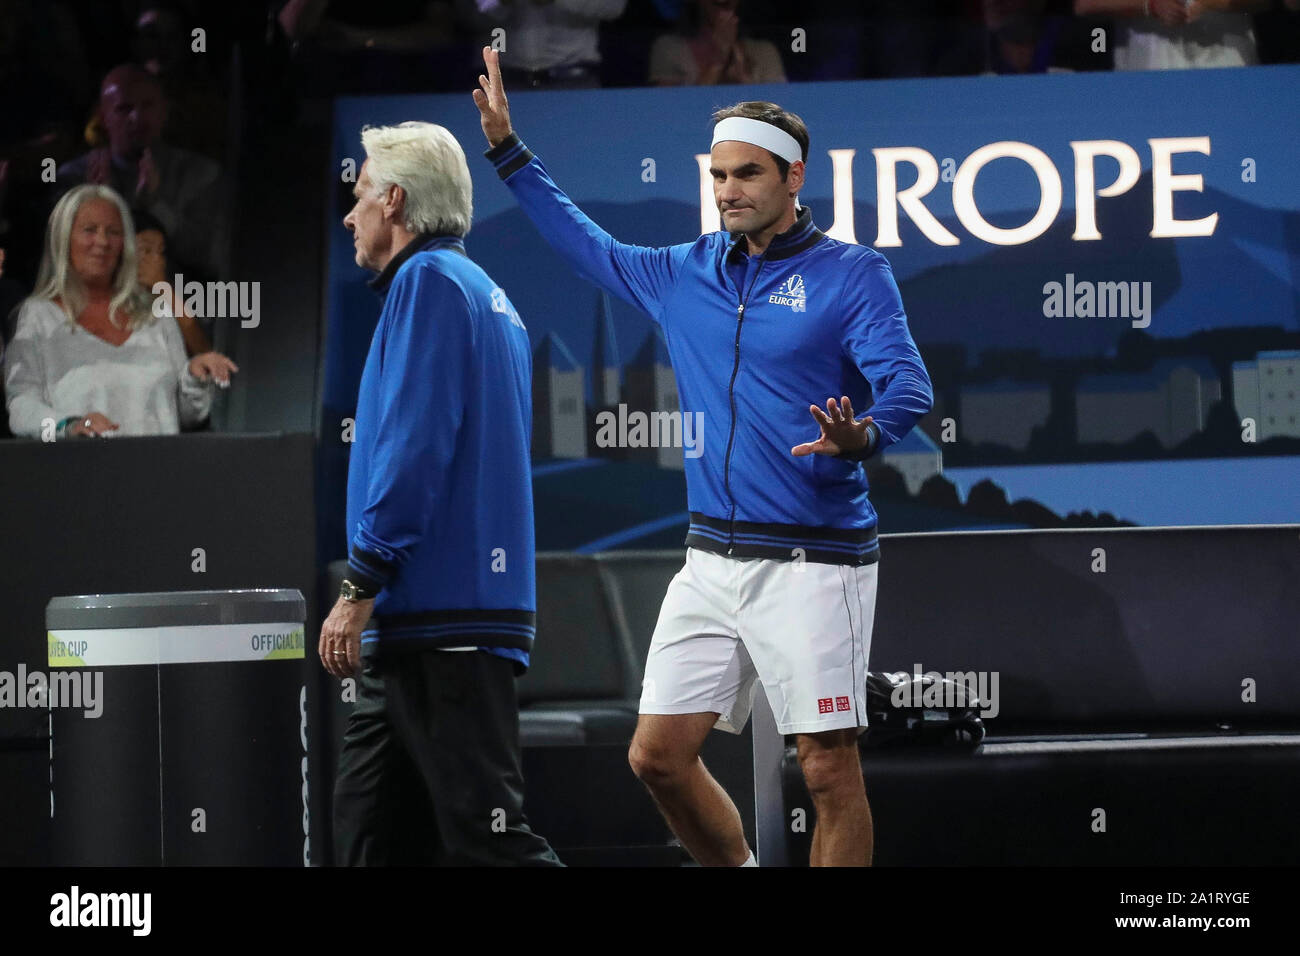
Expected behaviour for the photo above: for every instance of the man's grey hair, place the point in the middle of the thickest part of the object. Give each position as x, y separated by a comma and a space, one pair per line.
427, 162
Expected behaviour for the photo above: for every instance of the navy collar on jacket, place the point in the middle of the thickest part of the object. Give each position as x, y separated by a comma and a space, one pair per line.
793, 241
421, 243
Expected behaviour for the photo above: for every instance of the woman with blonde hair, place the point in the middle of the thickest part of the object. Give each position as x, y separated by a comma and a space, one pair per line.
89, 356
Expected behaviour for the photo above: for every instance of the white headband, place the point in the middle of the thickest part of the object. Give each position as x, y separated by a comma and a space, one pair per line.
757, 133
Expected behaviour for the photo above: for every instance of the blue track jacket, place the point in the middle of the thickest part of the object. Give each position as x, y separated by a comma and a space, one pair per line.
755, 340
440, 494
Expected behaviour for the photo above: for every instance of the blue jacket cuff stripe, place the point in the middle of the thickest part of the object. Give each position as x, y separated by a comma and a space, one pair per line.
509, 156
368, 570
867, 450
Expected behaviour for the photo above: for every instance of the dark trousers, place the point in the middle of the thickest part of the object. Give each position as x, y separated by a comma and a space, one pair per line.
430, 768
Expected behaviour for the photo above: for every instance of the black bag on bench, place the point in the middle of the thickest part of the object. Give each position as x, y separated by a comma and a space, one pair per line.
897, 717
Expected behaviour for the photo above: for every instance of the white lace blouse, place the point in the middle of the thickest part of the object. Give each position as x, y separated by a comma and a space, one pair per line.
54, 369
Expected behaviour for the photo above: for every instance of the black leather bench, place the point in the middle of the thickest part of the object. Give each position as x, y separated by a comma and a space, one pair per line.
1125, 697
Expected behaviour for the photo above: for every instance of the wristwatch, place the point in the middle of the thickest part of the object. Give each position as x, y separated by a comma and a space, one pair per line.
350, 592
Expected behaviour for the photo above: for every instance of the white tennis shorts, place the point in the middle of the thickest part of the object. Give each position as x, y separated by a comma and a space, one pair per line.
803, 629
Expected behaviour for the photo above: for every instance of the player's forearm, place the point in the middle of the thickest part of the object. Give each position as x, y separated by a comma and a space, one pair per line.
580, 241
908, 397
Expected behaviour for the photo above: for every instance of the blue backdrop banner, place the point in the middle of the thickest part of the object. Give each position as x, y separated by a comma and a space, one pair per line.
1101, 271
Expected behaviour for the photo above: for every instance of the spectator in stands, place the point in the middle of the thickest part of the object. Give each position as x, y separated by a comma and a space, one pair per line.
551, 44
151, 258
709, 49
183, 190
90, 356
1173, 35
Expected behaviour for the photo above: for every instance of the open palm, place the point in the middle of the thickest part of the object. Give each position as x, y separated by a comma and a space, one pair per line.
840, 432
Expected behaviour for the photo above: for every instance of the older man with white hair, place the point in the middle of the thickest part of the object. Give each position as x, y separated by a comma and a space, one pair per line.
436, 616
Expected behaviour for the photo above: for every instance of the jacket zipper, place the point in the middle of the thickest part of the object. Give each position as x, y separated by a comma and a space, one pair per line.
731, 399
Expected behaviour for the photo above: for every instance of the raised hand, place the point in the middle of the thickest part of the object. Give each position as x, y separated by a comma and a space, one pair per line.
147, 179
97, 166
494, 111
839, 431
726, 30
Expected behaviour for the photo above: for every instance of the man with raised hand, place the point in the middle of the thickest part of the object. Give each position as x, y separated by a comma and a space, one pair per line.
780, 577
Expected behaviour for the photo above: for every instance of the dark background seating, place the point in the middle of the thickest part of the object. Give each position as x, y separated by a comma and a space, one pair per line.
1124, 690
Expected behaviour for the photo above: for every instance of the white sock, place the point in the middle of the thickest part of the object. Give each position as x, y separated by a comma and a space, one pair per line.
751, 861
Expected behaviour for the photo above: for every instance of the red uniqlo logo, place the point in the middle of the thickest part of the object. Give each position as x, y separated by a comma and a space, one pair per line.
824, 705
841, 703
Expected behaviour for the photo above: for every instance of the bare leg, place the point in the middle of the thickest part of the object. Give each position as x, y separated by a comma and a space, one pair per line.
665, 756
833, 772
